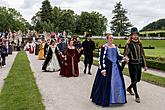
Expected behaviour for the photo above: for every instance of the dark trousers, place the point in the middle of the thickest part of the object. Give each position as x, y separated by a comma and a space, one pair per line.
3, 61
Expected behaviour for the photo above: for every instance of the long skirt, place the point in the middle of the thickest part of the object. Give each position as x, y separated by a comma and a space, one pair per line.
41, 54
109, 89
53, 64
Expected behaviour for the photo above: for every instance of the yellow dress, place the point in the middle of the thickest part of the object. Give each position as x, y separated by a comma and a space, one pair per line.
41, 52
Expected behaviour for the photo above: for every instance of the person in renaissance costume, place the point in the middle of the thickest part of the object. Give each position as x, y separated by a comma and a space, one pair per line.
71, 59
62, 45
37, 47
41, 51
3, 53
51, 62
46, 47
10, 48
109, 86
135, 53
78, 44
88, 48
31, 48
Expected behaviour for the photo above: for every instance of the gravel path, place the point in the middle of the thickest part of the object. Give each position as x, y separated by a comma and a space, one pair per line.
60, 93
5, 70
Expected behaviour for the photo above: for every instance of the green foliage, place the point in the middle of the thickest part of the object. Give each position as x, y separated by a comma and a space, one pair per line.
96, 53
120, 22
93, 21
11, 19
156, 64
67, 20
46, 11
156, 25
56, 18
20, 91
155, 58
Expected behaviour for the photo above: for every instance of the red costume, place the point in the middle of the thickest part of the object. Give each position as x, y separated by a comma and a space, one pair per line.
70, 65
31, 49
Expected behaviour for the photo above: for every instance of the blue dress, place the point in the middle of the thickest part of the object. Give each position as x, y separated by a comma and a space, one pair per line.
109, 89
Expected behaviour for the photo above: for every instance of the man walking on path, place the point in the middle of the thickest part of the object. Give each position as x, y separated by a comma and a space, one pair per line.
134, 52
88, 47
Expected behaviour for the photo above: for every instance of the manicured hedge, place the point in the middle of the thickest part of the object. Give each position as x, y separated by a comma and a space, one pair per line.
155, 58
156, 64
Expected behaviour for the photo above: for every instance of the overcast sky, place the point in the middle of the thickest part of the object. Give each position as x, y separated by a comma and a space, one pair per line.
140, 12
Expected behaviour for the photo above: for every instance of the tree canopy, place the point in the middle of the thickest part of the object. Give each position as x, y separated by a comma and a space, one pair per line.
120, 23
55, 19
11, 19
156, 25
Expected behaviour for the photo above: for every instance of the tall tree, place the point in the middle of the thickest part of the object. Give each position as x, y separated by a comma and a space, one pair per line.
36, 22
94, 21
11, 19
46, 11
67, 21
56, 17
59, 20
120, 22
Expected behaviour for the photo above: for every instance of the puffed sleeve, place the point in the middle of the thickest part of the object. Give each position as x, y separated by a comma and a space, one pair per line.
102, 57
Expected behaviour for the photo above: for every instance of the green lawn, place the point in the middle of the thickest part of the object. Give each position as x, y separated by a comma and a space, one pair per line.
159, 45
20, 91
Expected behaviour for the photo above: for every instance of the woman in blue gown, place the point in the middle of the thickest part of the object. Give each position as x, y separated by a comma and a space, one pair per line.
109, 86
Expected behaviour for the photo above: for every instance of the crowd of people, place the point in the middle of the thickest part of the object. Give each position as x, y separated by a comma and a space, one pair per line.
9, 42
63, 54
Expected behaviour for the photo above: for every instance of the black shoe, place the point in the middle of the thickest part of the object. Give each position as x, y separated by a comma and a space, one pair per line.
89, 73
84, 71
130, 91
137, 99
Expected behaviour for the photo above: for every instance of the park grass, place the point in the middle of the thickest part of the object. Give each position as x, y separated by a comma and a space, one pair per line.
159, 45
150, 78
20, 91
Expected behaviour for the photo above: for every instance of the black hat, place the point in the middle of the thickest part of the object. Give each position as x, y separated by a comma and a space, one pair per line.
88, 35
134, 30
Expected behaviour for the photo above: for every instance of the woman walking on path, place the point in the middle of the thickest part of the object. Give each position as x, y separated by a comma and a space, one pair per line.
135, 53
41, 51
109, 87
71, 59
51, 62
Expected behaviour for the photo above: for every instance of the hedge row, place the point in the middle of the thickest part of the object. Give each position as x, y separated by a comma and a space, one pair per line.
155, 58
156, 64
